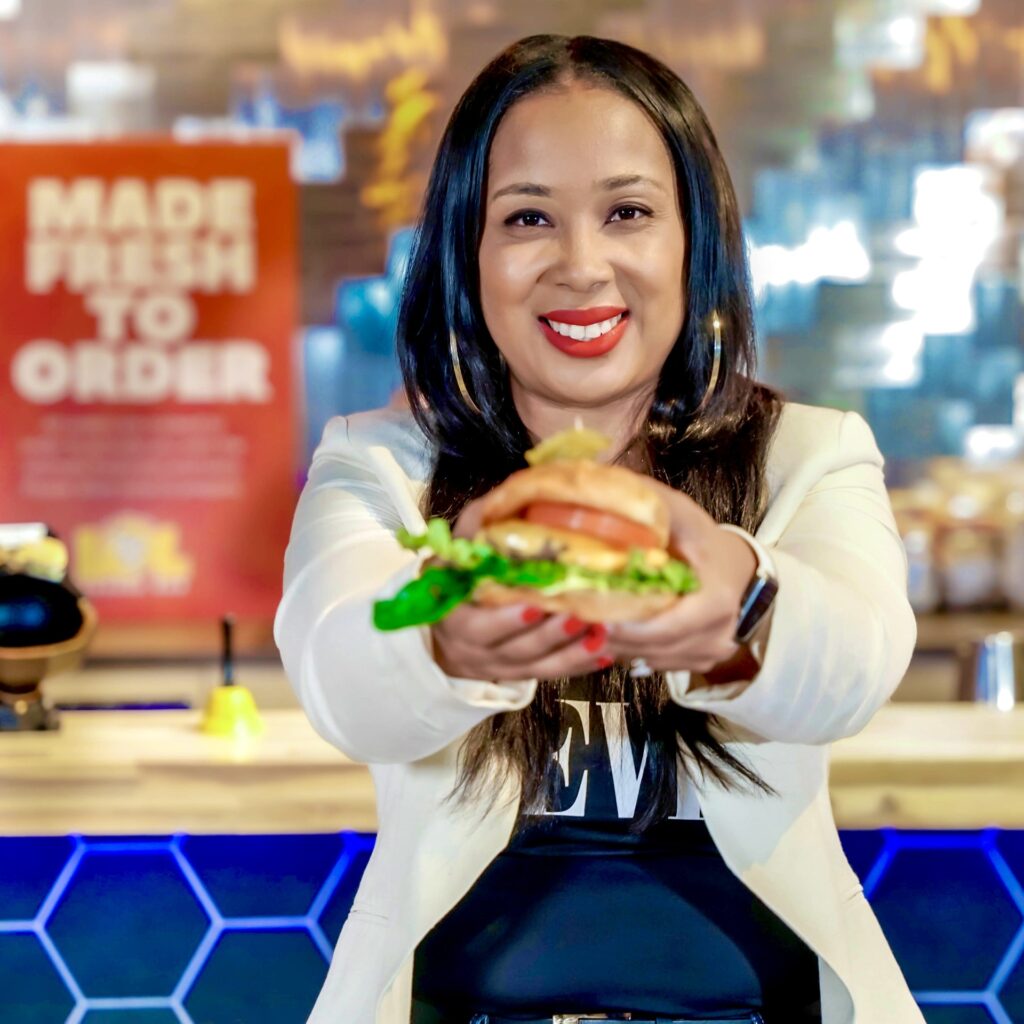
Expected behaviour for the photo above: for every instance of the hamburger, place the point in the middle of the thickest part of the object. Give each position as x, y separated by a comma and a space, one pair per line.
566, 534
605, 524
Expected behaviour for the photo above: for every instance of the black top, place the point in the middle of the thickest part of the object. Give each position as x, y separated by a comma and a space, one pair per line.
578, 914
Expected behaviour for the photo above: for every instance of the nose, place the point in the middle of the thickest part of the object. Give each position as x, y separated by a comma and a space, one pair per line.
582, 261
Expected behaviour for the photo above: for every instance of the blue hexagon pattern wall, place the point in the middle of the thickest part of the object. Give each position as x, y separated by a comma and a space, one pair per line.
239, 929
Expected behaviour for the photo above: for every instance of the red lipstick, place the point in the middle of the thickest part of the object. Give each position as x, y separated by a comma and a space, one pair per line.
584, 317
584, 349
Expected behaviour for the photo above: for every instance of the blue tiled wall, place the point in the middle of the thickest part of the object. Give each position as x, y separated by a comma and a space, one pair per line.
239, 929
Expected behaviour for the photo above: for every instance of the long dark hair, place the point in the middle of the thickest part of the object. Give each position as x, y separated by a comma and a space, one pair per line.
714, 451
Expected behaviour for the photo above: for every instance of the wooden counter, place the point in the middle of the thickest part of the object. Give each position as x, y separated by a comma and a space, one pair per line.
943, 766
153, 773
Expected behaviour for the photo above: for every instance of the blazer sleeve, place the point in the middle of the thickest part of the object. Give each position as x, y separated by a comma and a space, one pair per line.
378, 697
843, 631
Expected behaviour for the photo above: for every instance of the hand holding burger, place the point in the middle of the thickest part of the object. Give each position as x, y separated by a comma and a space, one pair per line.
694, 634
540, 564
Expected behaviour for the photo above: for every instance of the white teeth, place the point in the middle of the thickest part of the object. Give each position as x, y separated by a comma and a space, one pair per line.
579, 333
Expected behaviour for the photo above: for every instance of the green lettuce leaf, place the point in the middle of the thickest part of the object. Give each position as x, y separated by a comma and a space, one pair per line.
440, 588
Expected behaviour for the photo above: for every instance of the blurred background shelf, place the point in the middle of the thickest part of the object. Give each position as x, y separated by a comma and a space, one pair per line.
944, 632
178, 663
179, 640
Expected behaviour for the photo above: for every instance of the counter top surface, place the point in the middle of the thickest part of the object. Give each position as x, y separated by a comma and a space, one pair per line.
942, 766
154, 773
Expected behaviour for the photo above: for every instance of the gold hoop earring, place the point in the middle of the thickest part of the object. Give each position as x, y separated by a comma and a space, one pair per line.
716, 328
453, 348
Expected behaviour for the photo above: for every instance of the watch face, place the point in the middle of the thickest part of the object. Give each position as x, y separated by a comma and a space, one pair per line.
759, 600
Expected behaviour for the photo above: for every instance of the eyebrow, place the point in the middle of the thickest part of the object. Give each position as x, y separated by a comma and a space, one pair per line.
529, 188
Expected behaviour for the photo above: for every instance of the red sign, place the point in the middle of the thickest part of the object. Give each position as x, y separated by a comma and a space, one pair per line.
146, 394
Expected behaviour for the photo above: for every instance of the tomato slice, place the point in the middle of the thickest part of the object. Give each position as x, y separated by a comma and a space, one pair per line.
615, 531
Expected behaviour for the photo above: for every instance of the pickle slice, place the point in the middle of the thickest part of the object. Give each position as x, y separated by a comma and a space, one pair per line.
579, 442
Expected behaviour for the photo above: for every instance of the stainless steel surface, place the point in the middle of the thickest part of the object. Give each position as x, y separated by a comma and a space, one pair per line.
992, 670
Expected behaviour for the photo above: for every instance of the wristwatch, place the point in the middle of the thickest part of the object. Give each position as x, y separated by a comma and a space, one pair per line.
761, 590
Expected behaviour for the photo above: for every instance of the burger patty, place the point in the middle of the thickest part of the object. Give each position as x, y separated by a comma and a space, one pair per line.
522, 538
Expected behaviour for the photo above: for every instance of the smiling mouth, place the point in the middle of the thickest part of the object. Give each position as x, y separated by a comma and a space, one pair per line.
577, 332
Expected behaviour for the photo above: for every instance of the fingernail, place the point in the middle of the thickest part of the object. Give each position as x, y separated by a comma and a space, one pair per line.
605, 661
574, 625
531, 615
595, 638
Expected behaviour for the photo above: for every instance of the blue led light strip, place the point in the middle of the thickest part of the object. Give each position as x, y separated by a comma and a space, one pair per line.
309, 923
354, 845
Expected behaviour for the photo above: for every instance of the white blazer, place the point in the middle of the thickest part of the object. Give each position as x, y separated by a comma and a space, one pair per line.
841, 639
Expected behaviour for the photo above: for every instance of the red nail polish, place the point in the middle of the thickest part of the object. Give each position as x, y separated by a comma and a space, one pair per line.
605, 661
532, 615
574, 625
595, 638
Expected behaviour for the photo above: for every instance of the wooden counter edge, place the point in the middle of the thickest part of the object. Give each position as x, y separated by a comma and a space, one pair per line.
154, 773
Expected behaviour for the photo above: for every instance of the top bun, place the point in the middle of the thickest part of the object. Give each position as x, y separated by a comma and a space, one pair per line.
613, 489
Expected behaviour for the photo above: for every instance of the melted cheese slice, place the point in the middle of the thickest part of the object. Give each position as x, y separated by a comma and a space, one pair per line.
520, 539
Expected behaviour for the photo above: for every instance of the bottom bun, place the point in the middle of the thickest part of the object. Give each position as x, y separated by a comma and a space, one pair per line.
586, 605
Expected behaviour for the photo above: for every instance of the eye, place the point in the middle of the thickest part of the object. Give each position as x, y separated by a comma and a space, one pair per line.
629, 212
525, 219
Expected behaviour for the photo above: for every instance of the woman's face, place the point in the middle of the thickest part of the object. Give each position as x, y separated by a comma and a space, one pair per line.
581, 226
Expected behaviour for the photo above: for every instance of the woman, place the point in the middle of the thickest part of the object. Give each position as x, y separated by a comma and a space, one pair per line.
559, 837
